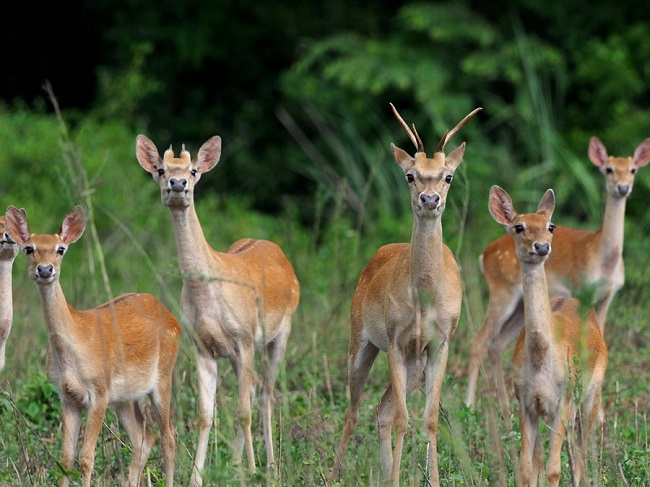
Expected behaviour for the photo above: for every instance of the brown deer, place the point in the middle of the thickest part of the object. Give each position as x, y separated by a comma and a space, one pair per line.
558, 351
112, 355
8, 252
407, 303
582, 259
238, 301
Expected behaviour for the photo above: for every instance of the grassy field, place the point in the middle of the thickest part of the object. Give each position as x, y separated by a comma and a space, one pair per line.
129, 247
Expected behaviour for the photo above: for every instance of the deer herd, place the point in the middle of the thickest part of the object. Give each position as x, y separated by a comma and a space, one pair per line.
407, 303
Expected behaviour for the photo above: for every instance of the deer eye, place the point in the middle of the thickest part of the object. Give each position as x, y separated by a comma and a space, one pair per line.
519, 228
193, 172
161, 172
609, 170
633, 170
551, 227
29, 250
449, 178
60, 250
410, 178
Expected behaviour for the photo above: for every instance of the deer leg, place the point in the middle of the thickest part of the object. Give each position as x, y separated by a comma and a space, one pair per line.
160, 400
558, 430
131, 417
384, 411
275, 351
398, 379
71, 426
206, 367
94, 422
243, 365
478, 350
362, 355
434, 373
503, 303
508, 330
529, 425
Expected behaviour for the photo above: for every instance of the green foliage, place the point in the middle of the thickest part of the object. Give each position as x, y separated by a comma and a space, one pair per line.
39, 402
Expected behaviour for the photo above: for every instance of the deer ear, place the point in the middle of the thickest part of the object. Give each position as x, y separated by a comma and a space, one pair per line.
454, 159
501, 207
402, 158
597, 152
209, 155
16, 225
547, 203
642, 154
73, 226
147, 154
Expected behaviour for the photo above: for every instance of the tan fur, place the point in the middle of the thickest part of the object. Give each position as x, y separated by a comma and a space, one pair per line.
8, 252
407, 303
582, 259
115, 354
237, 301
558, 350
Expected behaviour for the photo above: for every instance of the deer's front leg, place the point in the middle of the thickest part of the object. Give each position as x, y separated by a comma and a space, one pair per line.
398, 379
558, 430
529, 426
94, 422
434, 373
71, 426
206, 367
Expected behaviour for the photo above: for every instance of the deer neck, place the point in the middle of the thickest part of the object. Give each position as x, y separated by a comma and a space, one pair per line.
538, 316
195, 256
57, 314
426, 253
612, 232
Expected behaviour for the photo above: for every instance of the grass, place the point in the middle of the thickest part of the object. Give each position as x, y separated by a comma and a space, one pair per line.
131, 249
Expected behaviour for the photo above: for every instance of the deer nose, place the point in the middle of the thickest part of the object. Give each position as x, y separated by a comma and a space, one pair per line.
45, 271
542, 249
430, 201
177, 185
623, 189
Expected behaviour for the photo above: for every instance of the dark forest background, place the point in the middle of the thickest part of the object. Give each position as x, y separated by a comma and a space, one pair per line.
548, 74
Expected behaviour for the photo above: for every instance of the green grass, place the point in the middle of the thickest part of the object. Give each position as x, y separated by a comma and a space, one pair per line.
132, 249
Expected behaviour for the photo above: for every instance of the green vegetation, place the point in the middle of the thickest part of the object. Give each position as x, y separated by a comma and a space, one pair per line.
306, 162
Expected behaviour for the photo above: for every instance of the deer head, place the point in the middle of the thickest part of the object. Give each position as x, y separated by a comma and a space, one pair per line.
429, 179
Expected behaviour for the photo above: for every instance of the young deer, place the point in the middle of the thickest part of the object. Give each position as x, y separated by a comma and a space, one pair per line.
8, 252
407, 303
238, 301
558, 350
115, 354
581, 259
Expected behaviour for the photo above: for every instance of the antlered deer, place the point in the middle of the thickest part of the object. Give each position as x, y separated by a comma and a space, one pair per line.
407, 303
8, 252
238, 301
558, 351
115, 354
581, 259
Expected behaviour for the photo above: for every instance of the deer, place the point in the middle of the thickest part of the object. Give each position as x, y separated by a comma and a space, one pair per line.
583, 260
8, 253
238, 302
116, 354
407, 303
560, 352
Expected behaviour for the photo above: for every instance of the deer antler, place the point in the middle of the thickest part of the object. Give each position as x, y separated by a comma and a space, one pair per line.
449, 134
415, 138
